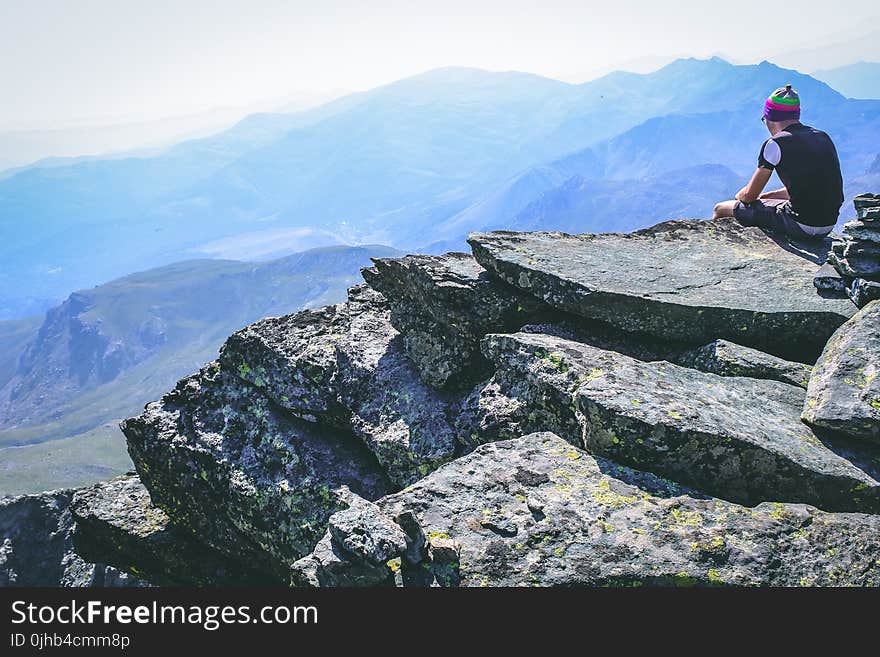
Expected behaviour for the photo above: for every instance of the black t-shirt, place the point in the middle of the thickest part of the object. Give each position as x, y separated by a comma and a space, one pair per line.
806, 161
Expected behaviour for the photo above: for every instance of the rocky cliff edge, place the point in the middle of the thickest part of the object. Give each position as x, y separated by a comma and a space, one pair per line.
675, 406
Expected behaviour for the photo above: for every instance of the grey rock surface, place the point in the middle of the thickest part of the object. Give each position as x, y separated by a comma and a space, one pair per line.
867, 206
406, 423
248, 479
856, 265
362, 547
689, 281
733, 437
862, 292
828, 279
535, 511
36, 546
443, 305
730, 359
293, 360
844, 391
117, 524
859, 230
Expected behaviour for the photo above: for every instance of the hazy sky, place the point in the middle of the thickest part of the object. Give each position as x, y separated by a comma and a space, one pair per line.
137, 59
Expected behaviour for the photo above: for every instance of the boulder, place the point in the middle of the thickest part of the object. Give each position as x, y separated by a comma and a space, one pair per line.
293, 360
116, 523
406, 423
829, 280
443, 305
364, 532
535, 511
244, 476
736, 438
862, 292
859, 230
685, 281
856, 266
362, 547
36, 546
867, 205
729, 359
862, 249
844, 391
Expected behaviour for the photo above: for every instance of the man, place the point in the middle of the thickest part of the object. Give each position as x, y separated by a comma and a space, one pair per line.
806, 161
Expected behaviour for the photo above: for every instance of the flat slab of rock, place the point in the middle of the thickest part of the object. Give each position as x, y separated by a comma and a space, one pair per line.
855, 266
687, 281
406, 423
116, 523
844, 391
247, 478
535, 511
443, 305
867, 205
859, 230
730, 359
293, 360
733, 437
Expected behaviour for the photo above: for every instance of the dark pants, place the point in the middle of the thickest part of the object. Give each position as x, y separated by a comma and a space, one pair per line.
773, 214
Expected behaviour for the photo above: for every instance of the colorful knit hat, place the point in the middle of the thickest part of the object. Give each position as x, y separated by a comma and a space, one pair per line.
784, 104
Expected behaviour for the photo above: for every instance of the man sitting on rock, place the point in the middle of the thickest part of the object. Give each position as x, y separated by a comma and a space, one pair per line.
806, 161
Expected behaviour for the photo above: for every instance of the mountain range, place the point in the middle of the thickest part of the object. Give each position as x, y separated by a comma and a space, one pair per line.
399, 165
859, 80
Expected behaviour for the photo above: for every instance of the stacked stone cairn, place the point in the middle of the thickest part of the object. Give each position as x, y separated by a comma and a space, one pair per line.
856, 256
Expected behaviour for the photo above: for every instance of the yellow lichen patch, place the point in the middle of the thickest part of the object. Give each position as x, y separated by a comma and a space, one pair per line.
607, 527
779, 512
607, 497
684, 518
716, 544
594, 374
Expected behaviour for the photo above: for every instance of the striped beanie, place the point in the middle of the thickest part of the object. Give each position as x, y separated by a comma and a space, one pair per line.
783, 105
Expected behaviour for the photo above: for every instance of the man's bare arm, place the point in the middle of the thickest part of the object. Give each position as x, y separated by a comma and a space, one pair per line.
752, 191
776, 193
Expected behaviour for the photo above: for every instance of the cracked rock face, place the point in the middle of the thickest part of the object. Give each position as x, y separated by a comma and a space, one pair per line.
687, 281
36, 546
696, 428
859, 230
356, 550
443, 305
384, 441
844, 391
730, 359
117, 523
403, 421
248, 479
537, 511
293, 360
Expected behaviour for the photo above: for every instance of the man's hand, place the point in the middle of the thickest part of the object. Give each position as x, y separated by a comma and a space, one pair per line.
752, 191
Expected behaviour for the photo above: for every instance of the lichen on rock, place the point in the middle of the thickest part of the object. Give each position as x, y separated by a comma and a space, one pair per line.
844, 390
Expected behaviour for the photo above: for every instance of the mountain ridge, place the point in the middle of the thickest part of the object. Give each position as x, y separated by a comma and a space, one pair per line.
378, 166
